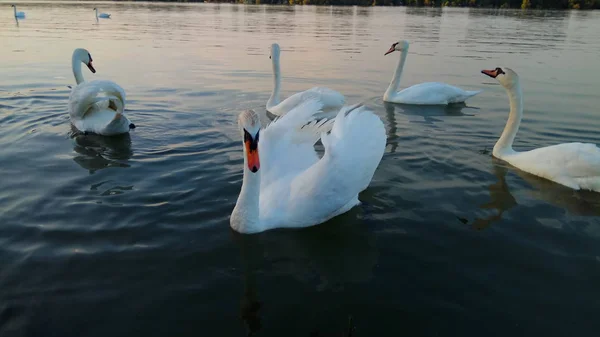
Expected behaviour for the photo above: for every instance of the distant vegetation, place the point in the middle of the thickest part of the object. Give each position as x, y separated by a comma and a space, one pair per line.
534, 4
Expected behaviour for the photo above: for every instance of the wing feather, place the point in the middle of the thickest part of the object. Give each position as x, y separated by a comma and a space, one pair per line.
287, 144
96, 95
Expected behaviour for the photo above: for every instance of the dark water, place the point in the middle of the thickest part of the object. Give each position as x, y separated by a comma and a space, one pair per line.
130, 236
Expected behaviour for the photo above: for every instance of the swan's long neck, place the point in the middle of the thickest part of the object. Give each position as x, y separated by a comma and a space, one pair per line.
96, 9
245, 215
395, 83
504, 144
76, 64
274, 99
15, 10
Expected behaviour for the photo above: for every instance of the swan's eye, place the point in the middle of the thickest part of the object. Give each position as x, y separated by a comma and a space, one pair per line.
499, 71
252, 140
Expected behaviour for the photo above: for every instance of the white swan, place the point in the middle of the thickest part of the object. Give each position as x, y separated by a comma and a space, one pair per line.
331, 99
96, 106
19, 15
286, 185
430, 93
575, 165
101, 15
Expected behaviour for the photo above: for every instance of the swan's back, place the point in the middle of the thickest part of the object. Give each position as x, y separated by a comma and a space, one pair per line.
576, 165
330, 99
432, 93
96, 95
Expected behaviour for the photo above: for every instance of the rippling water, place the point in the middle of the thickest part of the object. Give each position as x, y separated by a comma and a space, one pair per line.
129, 236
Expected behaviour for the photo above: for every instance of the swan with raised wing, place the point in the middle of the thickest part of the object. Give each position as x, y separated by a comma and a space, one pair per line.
101, 15
331, 99
96, 106
429, 93
18, 15
286, 185
575, 165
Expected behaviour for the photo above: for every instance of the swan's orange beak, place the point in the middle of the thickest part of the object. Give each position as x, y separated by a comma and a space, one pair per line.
391, 50
490, 73
252, 156
91, 67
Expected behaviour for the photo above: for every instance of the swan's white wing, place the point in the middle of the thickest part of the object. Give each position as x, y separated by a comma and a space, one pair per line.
330, 99
329, 187
432, 93
96, 95
286, 146
576, 165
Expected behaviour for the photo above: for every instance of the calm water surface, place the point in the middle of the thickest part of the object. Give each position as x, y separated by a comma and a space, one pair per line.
129, 236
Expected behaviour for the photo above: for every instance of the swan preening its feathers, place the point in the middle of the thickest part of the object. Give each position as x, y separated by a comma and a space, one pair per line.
286, 185
430, 93
96, 106
575, 165
331, 99
101, 15
18, 15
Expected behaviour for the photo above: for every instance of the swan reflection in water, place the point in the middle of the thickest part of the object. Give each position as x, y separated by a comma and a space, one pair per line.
582, 203
331, 255
96, 152
428, 112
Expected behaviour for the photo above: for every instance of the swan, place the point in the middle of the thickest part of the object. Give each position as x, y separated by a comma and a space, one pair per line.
101, 15
20, 15
575, 165
331, 99
96, 106
286, 185
430, 93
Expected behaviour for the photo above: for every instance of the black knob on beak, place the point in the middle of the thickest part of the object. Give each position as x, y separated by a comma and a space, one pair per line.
132, 126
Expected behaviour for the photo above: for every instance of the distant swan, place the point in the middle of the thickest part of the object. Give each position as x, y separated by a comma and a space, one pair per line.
575, 165
286, 185
96, 106
101, 15
430, 93
19, 15
331, 99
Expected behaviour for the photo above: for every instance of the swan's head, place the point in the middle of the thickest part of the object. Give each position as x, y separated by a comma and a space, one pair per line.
84, 56
95, 9
506, 76
12, 5
275, 51
401, 45
249, 122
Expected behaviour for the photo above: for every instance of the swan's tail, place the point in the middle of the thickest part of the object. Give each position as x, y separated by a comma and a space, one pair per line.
471, 93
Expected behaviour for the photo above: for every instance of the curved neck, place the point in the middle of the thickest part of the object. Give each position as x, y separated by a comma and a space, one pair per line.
15, 10
504, 144
395, 83
76, 65
96, 12
245, 215
274, 99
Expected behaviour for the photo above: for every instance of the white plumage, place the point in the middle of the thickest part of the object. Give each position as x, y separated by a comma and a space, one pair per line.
96, 106
331, 99
101, 15
575, 165
18, 15
293, 187
429, 93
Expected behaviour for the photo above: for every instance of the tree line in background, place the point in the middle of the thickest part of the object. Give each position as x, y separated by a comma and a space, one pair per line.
524, 4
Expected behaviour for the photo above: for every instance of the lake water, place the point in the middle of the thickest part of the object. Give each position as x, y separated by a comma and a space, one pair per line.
129, 236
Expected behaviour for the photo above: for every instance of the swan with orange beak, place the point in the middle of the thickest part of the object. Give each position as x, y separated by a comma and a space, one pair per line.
286, 185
